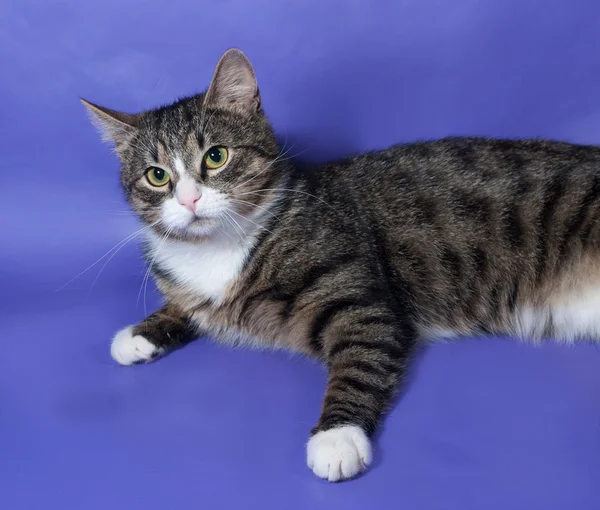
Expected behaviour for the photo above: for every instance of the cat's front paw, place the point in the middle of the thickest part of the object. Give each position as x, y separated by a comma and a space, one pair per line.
340, 453
128, 349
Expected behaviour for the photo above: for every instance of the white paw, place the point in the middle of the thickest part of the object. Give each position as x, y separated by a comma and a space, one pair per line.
127, 349
338, 454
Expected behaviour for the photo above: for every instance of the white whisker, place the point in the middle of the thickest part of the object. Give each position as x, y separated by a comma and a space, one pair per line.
280, 157
108, 260
289, 190
116, 247
261, 172
229, 222
244, 202
260, 226
222, 230
241, 231
144, 285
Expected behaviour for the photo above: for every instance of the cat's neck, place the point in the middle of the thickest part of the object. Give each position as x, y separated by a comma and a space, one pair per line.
208, 266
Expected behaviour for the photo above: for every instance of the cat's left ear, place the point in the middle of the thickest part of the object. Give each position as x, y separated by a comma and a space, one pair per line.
116, 127
234, 84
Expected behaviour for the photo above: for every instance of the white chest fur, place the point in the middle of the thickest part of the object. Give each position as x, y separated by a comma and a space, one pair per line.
207, 268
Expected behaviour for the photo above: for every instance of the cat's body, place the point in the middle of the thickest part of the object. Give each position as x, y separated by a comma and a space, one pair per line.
354, 261
477, 236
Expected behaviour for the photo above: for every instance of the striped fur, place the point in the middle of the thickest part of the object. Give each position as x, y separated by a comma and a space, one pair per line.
356, 261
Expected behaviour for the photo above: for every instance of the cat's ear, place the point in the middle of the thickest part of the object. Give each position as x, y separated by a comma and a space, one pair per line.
233, 84
116, 127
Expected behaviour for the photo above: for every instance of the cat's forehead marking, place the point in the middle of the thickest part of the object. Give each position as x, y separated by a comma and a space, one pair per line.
178, 166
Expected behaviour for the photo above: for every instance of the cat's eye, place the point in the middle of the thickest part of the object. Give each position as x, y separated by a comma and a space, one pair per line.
215, 157
157, 176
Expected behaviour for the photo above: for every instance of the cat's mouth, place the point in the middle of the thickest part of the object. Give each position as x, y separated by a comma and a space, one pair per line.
200, 226
182, 222
203, 218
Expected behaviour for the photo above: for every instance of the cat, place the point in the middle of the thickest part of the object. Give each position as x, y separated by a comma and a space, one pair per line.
357, 261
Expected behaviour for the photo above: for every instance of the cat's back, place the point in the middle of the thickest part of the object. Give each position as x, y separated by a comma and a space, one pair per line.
473, 160
480, 221
463, 177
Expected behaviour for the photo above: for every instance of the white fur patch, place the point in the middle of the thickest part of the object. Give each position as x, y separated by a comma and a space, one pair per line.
212, 204
174, 215
206, 268
572, 316
178, 166
338, 454
430, 332
127, 349
530, 322
212, 208
578, 316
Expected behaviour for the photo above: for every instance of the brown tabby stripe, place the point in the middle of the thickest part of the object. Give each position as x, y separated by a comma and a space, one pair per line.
358, 255
580, 217
166, 328
331, 310
296, 291
363, 376
555, 190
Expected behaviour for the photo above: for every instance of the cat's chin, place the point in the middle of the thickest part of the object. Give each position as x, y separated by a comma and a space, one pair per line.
198, 229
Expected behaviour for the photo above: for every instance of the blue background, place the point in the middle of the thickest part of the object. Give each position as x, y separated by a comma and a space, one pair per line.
484, 423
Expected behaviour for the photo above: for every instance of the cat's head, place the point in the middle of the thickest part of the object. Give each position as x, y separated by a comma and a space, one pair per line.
202, 163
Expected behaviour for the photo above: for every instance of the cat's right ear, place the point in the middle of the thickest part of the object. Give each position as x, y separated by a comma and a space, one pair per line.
114, 126
234, 84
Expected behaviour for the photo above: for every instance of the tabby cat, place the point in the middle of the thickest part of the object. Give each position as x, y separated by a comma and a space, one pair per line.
356, 261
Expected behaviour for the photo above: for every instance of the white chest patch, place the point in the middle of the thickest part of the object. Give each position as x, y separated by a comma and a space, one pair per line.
207, 268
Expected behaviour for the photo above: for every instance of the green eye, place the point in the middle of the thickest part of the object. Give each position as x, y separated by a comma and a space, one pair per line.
157, 176
215, 157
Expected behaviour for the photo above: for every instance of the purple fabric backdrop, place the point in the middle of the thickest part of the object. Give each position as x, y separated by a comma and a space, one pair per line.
483, 425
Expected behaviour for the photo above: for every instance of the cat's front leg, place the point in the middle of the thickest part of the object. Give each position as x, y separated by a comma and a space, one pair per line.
367, 357
161, 332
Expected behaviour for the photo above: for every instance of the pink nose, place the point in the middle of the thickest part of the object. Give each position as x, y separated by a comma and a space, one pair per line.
189, 201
